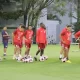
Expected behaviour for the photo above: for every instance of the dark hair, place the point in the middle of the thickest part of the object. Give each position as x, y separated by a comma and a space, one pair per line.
21, 24
68, 25
42, 25
23, 27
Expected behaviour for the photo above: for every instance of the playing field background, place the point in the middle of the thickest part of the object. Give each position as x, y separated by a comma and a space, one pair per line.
52, 69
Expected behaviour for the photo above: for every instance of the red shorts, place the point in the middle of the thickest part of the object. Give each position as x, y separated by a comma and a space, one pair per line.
65, 46
20, 45
28, 45
41, 45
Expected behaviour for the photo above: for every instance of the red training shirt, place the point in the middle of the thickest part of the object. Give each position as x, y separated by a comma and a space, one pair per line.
77, 34
28, 35
18, 35
65, 35
41, 36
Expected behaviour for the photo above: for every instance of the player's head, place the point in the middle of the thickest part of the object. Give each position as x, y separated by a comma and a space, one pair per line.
30, 27
42, 25
69, 27
22, 28
5, 28
20, 25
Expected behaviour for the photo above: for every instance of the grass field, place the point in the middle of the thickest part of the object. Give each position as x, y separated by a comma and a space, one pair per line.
52, 69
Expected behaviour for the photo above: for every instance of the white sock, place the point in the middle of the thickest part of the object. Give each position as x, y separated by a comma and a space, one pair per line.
4, 53
60, 55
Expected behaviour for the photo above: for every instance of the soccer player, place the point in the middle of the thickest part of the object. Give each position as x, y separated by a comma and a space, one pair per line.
13, 42
18, 35
65, 36
28, 40
41, 40
5, 38
77, 36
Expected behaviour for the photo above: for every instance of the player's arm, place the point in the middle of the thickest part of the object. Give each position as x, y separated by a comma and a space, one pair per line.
12, 37
13, 34
5, 35
62, 34
37, 36
77, 35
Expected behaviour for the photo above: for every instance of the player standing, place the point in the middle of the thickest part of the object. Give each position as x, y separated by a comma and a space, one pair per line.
77, 36
5, 38
13, 42
28, 40
65, 42
18, 35
41, 40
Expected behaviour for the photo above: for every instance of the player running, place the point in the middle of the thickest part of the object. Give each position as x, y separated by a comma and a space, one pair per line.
5, 38
65, 36
28, 40
41, 40
18, 35
77, 36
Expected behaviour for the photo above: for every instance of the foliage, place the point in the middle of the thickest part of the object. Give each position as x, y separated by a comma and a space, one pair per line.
11, 15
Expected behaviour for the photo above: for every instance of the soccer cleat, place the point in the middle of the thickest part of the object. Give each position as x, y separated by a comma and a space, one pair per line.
68, 61
14, 57
35, 58
60, 58
4, 55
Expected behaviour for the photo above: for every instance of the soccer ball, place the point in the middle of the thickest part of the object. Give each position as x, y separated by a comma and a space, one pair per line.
30, 60
45, 57
26, 60
63, 60
19, 58
41, 58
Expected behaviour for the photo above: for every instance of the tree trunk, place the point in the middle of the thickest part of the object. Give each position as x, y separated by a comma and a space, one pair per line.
25, 19
78, 11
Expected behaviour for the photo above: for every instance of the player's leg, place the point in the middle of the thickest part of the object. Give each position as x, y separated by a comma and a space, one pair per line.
16, 45
38, 51
42, 46
15, 51
17, 48
20, 50
5, 48
18, 53
27, 51
28, 46
66, 54
61, 53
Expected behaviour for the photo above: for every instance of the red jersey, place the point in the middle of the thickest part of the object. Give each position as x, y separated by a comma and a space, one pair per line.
66, 35
18, 35
28, 36
77, 35
41, 36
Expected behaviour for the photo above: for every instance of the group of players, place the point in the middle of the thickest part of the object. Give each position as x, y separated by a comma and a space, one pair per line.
21, 33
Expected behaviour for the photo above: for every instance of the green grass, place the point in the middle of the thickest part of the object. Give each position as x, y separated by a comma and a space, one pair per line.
52, 69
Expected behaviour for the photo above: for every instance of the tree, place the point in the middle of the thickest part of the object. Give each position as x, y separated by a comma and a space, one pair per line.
31, 9
76, 8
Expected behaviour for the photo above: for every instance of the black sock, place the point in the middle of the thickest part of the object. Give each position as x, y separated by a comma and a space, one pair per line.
37, 52
67, 58
42, 51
